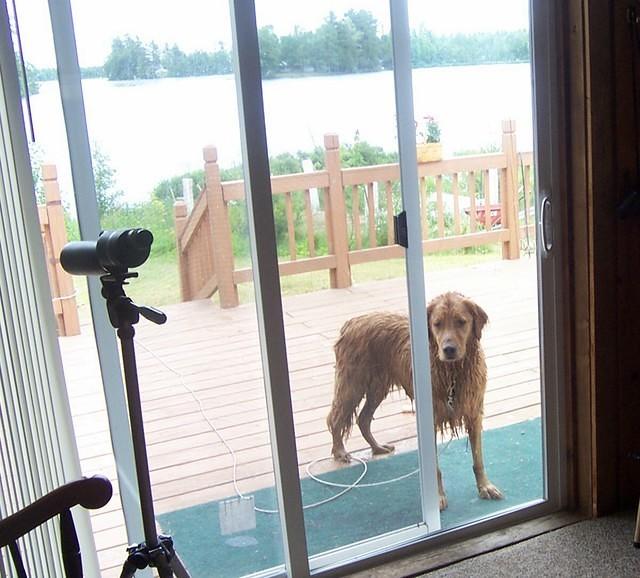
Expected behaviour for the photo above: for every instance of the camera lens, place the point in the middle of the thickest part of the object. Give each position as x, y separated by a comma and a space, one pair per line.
80, 258
122, 249
113, 252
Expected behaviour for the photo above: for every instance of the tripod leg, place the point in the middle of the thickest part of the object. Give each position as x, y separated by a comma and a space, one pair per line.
165, 571
157, 550
156, 559
178, 567
128, 570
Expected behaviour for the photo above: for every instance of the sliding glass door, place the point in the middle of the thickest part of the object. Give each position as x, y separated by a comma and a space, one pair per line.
335, 192
428, 148
362, 350
447, 113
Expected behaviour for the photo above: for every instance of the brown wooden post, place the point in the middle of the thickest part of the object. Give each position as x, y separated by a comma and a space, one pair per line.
62, 285
340, 277
221, 230
180, 219
509, 195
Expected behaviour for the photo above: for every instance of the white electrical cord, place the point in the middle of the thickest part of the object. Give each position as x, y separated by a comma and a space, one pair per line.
64, 297
345, 487
350, 486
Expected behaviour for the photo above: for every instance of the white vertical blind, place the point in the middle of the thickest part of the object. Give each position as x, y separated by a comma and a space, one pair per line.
37, 447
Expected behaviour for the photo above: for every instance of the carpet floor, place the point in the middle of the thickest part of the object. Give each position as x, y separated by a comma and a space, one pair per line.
513, 459
591, 549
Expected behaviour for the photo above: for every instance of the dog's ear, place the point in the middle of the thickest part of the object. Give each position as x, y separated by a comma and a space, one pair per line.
480, 318
430, 309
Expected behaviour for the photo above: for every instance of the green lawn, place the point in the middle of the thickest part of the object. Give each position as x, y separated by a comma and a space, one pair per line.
158, 282
156, 285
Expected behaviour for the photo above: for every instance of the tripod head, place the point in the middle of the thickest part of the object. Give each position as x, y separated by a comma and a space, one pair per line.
121, 309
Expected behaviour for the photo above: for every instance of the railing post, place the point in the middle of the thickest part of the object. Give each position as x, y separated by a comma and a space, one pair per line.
62, 285
180, 219
509, 196
340, 277
221, 230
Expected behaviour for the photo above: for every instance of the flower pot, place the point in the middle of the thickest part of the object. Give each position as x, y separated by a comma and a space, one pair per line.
429, 152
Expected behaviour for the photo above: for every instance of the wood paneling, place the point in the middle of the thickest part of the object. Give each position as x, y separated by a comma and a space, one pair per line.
608, 260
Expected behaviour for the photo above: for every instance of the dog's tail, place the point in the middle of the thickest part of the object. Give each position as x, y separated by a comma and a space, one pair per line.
347, 395
343, 409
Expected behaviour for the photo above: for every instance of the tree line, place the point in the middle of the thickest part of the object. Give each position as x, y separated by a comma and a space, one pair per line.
132, 59
350, 44
346, 45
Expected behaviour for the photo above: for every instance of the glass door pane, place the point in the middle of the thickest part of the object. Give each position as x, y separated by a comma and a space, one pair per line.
472, 97
477, 211
331, 125
160, 102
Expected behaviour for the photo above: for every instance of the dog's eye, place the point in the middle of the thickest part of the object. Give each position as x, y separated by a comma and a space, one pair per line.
437, 324
461, 322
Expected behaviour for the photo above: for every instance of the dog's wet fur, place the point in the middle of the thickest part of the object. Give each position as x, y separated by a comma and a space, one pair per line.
373, 355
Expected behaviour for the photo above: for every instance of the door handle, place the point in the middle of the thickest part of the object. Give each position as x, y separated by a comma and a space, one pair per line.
546, 225
400, 229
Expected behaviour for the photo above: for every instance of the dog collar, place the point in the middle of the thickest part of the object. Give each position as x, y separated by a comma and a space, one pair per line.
451, 394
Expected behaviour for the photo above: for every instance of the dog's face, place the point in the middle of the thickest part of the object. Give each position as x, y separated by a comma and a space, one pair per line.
453, 321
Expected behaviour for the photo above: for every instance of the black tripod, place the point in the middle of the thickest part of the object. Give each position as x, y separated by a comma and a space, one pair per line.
157, 550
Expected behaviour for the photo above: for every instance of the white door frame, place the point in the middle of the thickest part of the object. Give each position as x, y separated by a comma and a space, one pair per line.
72, 99
402, 74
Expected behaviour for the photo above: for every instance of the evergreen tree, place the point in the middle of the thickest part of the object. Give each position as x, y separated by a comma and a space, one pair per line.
368, 45
269, 51
128, 60
338, 46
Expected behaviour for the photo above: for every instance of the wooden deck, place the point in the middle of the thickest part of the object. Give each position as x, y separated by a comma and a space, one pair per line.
202, 372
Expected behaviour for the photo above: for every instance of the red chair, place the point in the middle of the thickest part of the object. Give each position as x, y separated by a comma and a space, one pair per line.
495, 214
90, 493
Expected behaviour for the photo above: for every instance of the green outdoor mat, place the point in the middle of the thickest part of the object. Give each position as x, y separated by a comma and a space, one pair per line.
513, 460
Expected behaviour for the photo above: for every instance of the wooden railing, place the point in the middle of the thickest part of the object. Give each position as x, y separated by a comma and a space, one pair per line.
358, 205
54, 236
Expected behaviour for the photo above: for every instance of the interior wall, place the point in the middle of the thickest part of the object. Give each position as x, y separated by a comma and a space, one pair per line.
613, 105
626, 56
573, 29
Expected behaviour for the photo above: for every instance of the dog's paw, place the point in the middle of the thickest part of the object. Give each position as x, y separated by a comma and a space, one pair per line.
342, 456
490, 492
443, 502
382, 449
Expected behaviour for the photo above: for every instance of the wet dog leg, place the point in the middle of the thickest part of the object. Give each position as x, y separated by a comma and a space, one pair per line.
486, 489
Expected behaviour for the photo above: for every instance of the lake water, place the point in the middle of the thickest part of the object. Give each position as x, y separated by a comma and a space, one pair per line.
156, 129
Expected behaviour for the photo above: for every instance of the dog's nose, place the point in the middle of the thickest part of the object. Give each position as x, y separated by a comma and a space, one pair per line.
449, 351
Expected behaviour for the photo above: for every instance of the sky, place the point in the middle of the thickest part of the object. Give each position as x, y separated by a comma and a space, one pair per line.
203, 24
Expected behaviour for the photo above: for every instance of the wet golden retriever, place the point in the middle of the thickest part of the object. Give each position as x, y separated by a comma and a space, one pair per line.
373, 355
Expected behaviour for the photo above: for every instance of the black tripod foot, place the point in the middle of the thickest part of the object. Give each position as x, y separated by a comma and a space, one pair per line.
141, 556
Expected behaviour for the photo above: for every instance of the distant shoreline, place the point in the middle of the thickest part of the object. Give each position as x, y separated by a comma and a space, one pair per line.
49, 74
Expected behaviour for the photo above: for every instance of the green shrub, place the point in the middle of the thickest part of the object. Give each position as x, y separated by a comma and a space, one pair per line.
152, 215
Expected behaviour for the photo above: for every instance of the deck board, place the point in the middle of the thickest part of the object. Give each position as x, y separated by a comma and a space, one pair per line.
204, 364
